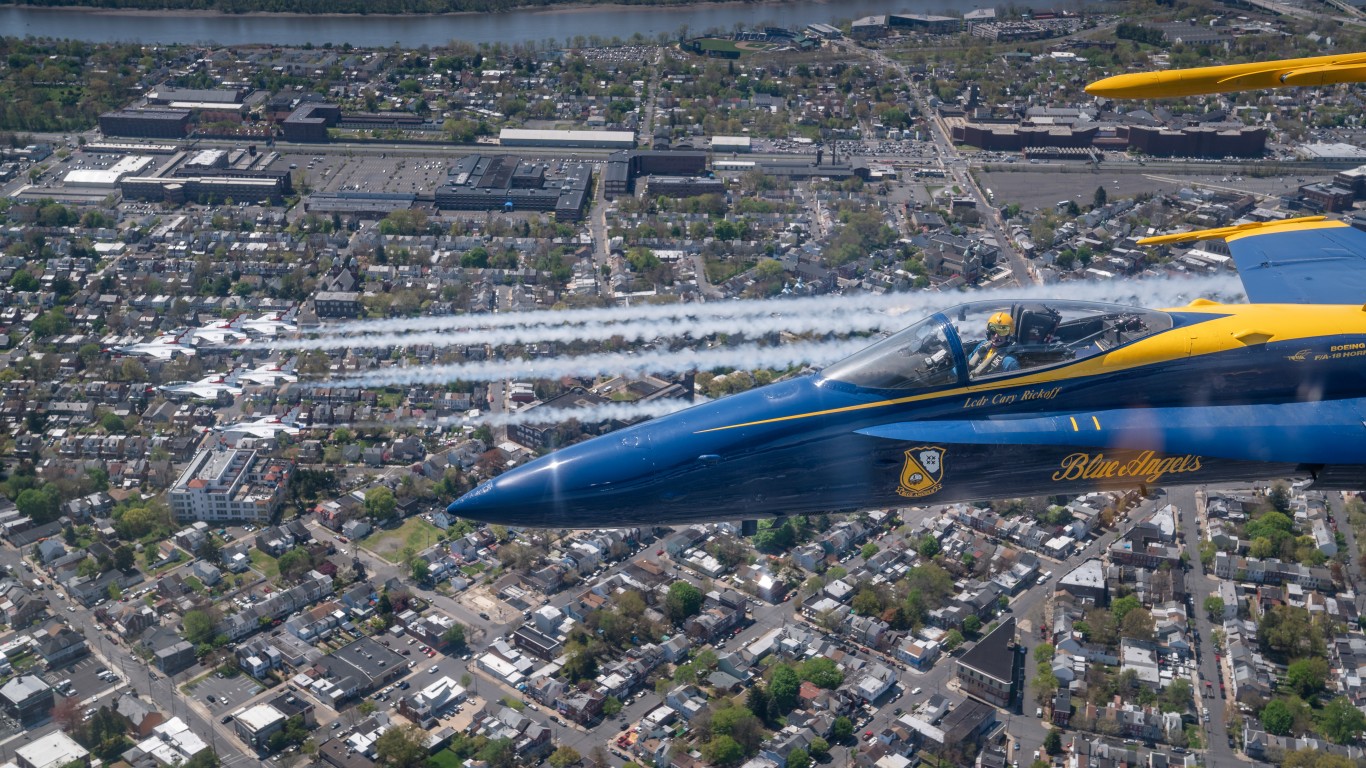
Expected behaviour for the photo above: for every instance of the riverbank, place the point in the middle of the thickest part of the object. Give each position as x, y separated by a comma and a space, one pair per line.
546, 10
578, 23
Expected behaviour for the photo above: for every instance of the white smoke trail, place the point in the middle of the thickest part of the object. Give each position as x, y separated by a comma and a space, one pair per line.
833, 314
853, 322
588, 415
664, 361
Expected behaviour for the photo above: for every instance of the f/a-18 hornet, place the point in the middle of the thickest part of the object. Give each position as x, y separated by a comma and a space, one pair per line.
1000, 398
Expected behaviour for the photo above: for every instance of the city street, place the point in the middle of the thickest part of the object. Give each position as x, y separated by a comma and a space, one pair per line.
140, 677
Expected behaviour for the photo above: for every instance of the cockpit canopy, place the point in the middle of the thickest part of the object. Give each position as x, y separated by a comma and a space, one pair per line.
952, 347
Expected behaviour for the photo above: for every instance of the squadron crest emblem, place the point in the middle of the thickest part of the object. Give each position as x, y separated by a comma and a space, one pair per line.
923, 473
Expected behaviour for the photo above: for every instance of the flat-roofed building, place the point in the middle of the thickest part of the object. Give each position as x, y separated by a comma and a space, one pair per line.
730, 144
26, 698
502, 182
130, 165
206, 189
309, 122
1086, 583
213, 96
230, 484
363, 204
520, 137
54, 750
683, 186
258, 723
146, 123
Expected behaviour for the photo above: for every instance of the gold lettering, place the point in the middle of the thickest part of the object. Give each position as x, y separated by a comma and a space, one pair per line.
1071, 467
1146, 466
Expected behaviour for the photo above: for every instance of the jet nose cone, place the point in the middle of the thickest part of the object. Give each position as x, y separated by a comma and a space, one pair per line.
536, 494
490, 502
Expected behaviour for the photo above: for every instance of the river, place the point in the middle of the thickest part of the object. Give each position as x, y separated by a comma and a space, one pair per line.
530, 25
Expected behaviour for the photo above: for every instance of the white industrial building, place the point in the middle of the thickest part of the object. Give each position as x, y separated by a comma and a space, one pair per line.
730, 144
130, 165
520, 137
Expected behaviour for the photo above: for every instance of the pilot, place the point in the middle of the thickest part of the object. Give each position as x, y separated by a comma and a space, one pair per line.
992, 355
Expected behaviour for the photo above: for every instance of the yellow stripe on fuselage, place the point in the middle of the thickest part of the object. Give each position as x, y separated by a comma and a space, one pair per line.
1283, 322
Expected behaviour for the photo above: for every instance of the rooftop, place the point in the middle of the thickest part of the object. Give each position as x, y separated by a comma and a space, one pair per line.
50, 751
992, 656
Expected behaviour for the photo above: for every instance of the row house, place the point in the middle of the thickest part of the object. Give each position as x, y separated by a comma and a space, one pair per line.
1272, 571
239, 625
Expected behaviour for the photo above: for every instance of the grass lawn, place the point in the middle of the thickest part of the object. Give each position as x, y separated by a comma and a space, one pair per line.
389, 543
715, 44
171, 566
267, 565
445, 759
194, 583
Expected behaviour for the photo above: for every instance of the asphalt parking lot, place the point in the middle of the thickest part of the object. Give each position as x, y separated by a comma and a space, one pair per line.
82, 674
228, 693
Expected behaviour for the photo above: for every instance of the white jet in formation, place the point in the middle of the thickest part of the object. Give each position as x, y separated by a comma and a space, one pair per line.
164, 347
266, 426
207, 388
270, 374
270, 324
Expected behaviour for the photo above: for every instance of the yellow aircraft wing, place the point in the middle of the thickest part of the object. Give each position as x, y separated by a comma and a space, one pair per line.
1228, 78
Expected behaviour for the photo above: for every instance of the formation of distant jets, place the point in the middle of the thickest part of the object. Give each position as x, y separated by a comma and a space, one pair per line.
187, 342
219, 334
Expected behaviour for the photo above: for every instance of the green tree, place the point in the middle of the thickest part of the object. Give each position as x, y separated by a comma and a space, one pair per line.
21, 280
821, 672
206, 758
972, 625
866, 601
294, 564
1176, 697
783, 687
1100, 198
1214, 606
1052, 742
454, 638
1138, 624
1043, 654
868, 550
1277, 717
756, 701
1307, 676
820, 748
1341, 722
42, 504
419, 569
723, 751
198, 626
953, 639
137, 522
928, 547
401, 747
380, 504
564, 757
1119, 608
112, 424
53, 322
611, 706
1045, 684
799, 758
842, 730
684, 600
125, 557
